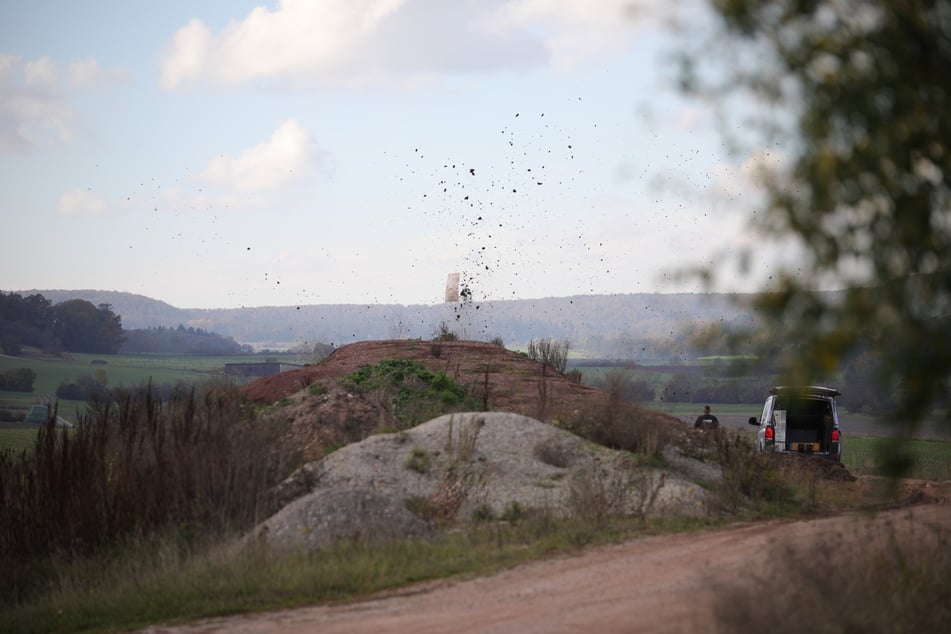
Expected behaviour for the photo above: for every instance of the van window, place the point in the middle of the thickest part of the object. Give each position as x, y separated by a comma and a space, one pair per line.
764, 417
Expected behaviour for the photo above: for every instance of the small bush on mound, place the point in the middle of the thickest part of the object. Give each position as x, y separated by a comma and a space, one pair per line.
444, 332
409, 391
620, 424
599, 494
419, 460
553, 452
623, 426
750, 476
513, 512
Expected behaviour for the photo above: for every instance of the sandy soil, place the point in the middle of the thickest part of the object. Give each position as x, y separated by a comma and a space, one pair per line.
652, 584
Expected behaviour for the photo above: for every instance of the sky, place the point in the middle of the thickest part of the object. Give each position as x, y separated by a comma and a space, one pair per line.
225, 154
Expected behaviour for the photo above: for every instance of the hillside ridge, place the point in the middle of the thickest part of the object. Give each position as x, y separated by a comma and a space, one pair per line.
601, 324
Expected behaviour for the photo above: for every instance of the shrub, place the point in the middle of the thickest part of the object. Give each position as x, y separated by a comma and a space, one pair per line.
11, 416
85, 388
418, 460
552, 452
621, 425
410, 391
749, 475
420, 506
17, 380
445, 333
513, 512
597, 494
621, 386
483, 513
549, 352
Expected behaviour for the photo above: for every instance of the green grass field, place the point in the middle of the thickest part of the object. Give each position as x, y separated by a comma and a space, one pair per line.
689, 411
17, 439
120, 370
932, 458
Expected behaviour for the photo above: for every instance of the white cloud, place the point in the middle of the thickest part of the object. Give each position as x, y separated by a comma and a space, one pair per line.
34, 105
289, 155
188, 56
42, 73
298, 38
577, 31
80, 202
356, 41
87, 72
32, 109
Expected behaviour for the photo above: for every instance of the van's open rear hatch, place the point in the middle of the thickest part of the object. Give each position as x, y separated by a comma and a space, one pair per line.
805, 429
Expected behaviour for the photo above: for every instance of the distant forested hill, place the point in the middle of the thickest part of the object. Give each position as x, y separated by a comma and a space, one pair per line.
596, 323
136, 311
622, 326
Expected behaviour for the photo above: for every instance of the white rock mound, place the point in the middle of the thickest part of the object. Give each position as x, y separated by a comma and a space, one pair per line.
393, 486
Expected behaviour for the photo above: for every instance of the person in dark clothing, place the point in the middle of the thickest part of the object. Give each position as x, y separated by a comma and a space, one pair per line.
706, 420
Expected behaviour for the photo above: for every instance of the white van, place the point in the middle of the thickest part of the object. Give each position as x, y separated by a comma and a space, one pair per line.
802, 420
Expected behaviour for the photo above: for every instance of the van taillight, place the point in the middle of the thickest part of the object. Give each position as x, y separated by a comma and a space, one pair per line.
835, 435
769, 433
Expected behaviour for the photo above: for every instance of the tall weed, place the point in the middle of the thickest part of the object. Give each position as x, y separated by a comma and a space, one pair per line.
621, 425
598, 494
197, 461
750, 477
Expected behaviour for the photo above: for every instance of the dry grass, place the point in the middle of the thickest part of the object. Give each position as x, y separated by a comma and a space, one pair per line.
196, 463
627, 489
871, 578
618, 424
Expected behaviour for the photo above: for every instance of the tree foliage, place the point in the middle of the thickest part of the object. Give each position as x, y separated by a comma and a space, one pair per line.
72, 326
25, 321
82, 327
862, 92
180, 340
76, 325
17, 380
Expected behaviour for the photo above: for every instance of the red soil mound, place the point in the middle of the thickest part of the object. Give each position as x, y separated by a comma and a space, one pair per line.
505, 380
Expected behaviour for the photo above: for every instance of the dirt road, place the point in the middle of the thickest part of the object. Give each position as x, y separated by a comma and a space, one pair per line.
652, 584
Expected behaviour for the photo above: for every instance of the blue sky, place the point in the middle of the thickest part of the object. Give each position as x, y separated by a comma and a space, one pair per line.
213, 154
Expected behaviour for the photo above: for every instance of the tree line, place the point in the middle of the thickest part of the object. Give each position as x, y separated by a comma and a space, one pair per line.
77, 325
71, 326
181, 340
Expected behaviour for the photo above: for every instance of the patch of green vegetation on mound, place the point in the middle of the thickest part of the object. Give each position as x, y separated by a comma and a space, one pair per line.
414, 393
